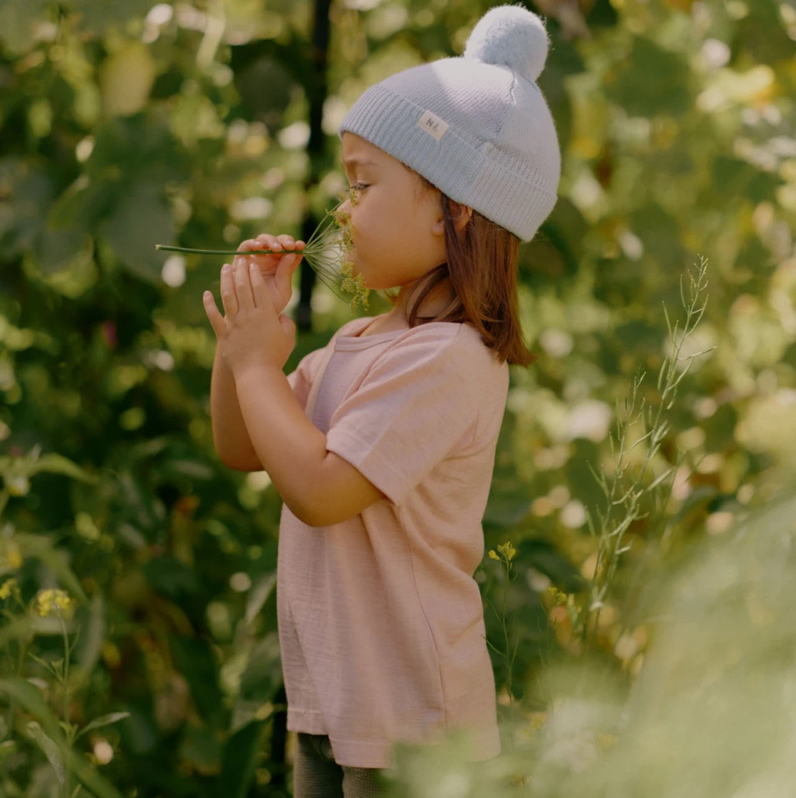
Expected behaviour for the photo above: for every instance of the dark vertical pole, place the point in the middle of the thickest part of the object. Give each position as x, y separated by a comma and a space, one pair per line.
277, 787
317, 90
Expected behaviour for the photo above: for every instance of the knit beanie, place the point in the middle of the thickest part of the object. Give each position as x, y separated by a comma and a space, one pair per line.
476, 126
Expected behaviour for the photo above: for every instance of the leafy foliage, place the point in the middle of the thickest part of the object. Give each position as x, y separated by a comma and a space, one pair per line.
127, 124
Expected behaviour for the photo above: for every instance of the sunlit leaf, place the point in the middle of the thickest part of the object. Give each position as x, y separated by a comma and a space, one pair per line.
126, 80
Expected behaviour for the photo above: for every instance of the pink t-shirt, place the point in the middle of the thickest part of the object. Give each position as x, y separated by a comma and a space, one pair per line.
381, 623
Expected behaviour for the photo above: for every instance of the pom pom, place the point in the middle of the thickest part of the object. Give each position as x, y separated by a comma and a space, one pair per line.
510, 36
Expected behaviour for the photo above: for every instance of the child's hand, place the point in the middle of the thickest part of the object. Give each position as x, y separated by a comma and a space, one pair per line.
251, 335
275, 269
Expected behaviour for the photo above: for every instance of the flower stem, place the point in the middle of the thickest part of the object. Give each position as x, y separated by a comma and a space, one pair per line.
67, 652
329, 244
225, 251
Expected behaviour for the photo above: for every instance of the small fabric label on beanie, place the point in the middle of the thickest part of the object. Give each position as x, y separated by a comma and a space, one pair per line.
433, 125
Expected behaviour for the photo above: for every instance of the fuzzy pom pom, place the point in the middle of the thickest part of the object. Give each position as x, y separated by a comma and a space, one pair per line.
511, 36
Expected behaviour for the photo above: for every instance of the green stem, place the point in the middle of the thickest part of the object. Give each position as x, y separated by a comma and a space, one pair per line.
66, 699
508, 662
227, 251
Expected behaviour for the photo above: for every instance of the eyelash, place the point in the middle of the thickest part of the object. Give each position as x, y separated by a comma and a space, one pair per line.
359, 186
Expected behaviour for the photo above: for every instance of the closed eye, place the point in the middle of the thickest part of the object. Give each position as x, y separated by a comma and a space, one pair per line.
360, 186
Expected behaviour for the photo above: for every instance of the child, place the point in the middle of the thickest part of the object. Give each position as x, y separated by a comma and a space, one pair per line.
381, 628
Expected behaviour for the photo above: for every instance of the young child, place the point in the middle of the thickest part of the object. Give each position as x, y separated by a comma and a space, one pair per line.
381, 626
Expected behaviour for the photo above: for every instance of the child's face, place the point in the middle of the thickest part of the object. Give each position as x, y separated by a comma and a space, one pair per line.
398, 226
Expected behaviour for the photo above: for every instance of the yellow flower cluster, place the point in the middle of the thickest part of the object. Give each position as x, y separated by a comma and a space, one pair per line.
558, 596
10, 556
506, 549
52, 600
8, 588
356, 285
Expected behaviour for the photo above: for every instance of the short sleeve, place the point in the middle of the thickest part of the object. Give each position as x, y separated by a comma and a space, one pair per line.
301, 378
409, 413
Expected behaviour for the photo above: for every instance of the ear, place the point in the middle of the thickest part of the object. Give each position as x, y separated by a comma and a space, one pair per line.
461, 215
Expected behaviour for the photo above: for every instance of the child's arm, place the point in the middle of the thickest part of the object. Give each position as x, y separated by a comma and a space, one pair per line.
230, 436
318, 487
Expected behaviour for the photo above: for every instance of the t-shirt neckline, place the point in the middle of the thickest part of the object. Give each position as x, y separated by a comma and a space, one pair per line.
353, 342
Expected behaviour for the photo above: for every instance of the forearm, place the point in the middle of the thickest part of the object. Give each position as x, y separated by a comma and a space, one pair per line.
290, 447
230, 436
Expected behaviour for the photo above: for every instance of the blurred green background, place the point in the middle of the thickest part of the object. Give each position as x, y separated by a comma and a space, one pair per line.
199, 124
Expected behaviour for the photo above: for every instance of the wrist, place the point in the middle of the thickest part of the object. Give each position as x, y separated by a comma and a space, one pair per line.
256, 373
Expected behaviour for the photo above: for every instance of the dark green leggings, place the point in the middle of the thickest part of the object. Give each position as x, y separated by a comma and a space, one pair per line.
317, 775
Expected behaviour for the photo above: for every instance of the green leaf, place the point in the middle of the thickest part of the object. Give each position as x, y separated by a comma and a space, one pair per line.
259, 594
91, 641
7, 748
238, 761
104, 720
263, 674
201, 748
260, 680
197, 662
506, 507
16, 24
650, 81
27, 192
172, 578
57, 250
136, 149
83, 205
30, 699
141, 219
54, 463
50, 750
99, 17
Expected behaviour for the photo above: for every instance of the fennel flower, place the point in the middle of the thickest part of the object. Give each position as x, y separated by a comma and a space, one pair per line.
328, 252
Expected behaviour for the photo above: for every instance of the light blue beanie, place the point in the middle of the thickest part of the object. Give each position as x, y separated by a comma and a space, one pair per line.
476, 126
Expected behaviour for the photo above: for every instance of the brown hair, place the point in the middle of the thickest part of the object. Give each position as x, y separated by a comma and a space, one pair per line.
482, 268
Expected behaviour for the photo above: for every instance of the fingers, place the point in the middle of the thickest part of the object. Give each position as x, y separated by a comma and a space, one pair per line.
291, 245
243, 286
285, 258
229, 296
282, 243
246, 246
216, 319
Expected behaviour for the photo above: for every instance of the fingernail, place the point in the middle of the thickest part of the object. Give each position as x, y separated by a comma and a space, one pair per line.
225, 268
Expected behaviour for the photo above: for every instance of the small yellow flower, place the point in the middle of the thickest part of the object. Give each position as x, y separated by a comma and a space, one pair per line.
353, 196
111, 654
53, 600
356, 285
493, 555
10, 556
8, 587
507, 550
558, 596
537, 720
